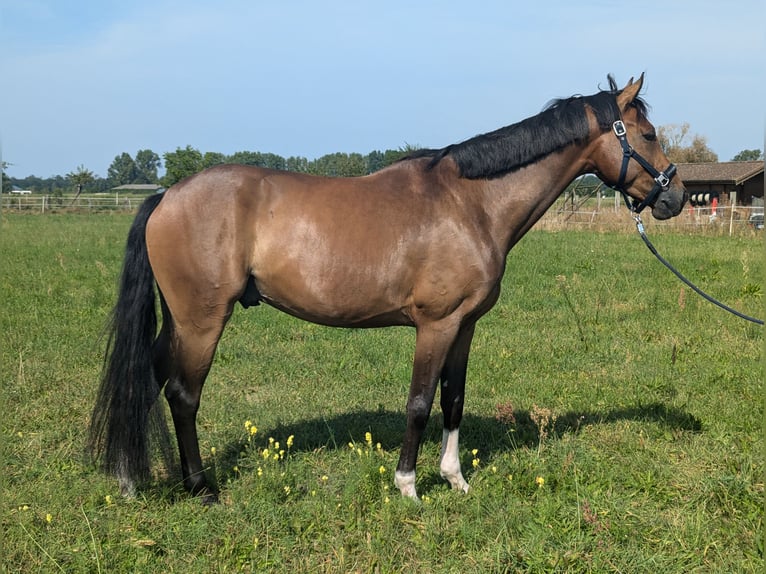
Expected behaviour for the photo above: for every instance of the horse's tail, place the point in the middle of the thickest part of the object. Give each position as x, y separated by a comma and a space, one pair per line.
119, 429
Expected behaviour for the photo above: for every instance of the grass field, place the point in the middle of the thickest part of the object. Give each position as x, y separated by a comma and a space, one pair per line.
613, 423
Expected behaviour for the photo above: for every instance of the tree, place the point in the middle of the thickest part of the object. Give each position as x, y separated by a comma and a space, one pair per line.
375, 161
297, 164
180, 164
245, 158
147, 162
7, 186
339, 165
212, 158
672, 138
748, 155
122, 171
80, 178
699, 152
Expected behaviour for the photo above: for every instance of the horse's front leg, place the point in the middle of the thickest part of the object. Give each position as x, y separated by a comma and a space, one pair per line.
452, 397
431, 347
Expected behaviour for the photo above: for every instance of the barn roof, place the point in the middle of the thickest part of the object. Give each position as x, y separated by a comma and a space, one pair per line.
729, 172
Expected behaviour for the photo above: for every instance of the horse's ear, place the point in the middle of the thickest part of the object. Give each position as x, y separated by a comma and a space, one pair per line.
630, 92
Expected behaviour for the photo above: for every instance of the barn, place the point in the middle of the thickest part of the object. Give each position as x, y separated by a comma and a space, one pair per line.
745, 178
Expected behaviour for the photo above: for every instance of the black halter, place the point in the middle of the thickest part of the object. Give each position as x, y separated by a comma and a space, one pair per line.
662, 179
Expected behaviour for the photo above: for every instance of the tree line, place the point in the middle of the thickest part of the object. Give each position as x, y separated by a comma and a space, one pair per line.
675, 139
183, 162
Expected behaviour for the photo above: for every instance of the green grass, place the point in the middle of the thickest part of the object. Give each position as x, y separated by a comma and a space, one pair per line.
638, 404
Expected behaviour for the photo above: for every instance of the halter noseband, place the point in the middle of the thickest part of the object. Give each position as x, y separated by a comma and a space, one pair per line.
662, 179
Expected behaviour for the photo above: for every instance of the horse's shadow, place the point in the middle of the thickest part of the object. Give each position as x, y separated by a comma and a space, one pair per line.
489, 434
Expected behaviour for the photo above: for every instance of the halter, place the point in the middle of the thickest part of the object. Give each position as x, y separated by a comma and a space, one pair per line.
662, 179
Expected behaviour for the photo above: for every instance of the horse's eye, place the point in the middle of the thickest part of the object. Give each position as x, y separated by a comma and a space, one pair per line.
651, 136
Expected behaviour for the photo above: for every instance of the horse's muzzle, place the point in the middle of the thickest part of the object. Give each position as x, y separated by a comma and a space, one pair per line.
670, 203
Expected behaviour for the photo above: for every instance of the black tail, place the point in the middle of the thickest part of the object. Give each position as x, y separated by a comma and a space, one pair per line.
119, 430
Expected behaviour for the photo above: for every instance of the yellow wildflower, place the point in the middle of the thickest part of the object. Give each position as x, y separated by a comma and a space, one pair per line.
48, 518
253, 430
108, 499
382, 469
540, 481
248, 424
475, 462
368, 438
290, 440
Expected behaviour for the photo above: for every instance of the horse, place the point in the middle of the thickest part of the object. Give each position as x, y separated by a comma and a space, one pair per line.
420, 243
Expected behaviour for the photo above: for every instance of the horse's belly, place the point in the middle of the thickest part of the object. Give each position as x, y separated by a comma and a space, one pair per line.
333, 296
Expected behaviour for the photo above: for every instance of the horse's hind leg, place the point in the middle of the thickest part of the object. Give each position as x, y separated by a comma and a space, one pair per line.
192, 345
452, 397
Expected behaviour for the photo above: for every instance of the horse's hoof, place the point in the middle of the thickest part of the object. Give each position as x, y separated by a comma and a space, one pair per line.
208, 498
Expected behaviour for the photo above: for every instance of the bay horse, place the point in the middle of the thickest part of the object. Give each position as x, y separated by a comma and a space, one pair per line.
421, 243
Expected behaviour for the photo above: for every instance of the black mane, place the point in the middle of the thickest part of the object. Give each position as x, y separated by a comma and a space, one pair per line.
562, 123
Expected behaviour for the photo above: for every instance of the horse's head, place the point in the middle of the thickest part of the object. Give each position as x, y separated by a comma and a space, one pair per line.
629, 158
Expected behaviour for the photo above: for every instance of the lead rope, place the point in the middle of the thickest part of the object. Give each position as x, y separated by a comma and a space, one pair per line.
640, 227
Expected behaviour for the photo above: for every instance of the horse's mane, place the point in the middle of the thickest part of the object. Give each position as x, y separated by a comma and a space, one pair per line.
562, 123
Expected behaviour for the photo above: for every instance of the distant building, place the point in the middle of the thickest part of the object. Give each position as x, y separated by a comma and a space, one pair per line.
743, 177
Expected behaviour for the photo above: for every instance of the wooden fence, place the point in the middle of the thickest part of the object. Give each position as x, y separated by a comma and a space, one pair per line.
33, 203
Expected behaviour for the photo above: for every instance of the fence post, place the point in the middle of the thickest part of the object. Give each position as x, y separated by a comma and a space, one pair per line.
731, 215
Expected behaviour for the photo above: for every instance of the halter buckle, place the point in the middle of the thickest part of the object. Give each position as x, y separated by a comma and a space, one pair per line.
662, 180
619, 129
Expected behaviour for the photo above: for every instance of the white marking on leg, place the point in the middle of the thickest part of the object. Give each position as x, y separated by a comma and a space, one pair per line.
449, 465
405, 482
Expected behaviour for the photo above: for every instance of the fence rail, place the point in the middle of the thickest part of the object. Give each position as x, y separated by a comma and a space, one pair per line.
564, 214
49, 204
602, 216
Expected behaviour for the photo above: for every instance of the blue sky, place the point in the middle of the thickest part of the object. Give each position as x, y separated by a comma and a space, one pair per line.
86, 80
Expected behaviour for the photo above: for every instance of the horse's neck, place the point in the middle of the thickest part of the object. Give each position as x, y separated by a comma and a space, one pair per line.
518, 200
